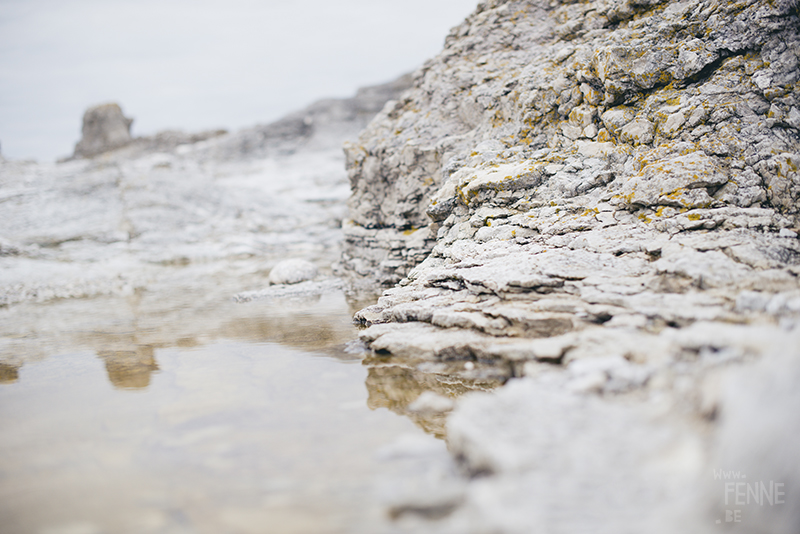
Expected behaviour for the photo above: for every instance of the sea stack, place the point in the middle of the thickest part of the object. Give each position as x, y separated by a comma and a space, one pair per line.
104, 128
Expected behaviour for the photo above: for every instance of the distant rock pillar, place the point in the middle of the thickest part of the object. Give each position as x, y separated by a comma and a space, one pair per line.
104, 128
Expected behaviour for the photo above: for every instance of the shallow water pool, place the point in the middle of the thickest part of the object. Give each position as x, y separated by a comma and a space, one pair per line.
120, 417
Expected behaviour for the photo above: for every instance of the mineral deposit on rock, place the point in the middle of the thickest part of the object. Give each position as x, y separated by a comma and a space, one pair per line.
600, 197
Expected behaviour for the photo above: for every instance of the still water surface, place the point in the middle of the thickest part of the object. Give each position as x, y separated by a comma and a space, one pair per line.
265, 422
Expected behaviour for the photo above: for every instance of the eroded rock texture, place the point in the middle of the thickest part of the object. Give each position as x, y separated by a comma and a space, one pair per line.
606, 190
643, 108
586, 167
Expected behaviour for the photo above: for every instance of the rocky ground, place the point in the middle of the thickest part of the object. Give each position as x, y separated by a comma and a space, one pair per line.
594, 203
176, 245
598, 200
170, 222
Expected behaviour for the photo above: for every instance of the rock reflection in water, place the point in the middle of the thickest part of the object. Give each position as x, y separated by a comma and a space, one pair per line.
8, 373
126, 332
298, 330
131, 362
226, 437
220, 412
130, 368
301, 328
396, 386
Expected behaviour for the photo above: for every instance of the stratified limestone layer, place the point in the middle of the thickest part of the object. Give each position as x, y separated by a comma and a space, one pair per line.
652, 109
607, 191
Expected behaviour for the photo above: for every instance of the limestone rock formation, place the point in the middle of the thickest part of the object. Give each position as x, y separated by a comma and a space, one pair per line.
601, 195
584, 167
321, 125
104, 128
534, 102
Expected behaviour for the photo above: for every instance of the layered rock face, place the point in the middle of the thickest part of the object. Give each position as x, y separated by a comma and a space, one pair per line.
602, 197
620, 164
583, 103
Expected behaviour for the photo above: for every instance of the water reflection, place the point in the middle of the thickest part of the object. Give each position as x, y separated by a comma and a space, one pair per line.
8, 373
302, 329
132, 361
395, 386
246, 418
125, 332
227, 437
130, 368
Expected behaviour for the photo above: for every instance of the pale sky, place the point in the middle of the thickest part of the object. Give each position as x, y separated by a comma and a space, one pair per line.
195, 64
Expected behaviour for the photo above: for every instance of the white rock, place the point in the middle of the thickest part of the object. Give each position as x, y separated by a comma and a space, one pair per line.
292, 272
763, 79
793, 118
673, 123
637, 132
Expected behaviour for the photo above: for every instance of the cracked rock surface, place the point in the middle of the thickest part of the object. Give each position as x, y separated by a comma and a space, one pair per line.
601, 200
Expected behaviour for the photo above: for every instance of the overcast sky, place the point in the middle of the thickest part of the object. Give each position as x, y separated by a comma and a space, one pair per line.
195, 64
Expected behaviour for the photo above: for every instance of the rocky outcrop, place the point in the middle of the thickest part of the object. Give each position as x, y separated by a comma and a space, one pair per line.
321, 125
597, 195
179, 198
582, 167
541, 102
104, 128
